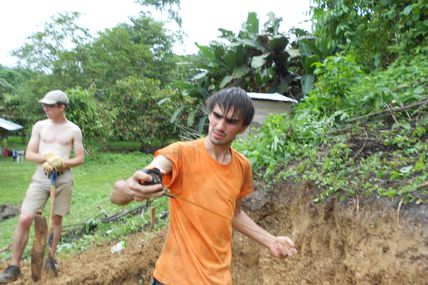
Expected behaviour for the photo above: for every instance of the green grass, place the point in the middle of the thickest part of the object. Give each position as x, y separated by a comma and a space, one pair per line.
93, 182
121, 146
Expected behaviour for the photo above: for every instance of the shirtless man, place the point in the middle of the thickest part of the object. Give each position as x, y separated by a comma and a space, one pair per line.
50, 147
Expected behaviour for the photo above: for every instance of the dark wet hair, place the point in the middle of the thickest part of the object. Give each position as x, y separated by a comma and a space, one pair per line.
233, 97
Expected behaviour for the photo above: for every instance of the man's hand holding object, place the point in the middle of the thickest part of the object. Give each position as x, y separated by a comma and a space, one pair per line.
53, 162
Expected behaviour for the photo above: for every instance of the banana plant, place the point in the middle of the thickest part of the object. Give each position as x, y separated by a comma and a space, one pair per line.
257, 60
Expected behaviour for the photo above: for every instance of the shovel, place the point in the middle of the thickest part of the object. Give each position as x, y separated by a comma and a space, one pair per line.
39, 246
41, 236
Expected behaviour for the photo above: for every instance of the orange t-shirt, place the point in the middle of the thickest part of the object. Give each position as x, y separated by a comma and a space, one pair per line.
198, 248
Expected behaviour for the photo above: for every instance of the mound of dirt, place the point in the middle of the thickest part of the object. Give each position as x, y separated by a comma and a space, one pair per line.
361, 242
8, 211
338, 243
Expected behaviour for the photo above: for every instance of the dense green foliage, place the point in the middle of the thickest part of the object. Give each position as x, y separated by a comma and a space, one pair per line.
377, 32
97, 73
335, 140
138, 117
362, 130
89, 114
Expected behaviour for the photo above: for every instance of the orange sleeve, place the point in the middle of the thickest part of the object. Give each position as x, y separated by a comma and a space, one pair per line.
247, 184
247, 187
172, 152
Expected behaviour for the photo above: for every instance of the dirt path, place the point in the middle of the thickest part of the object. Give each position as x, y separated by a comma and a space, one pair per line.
357, 243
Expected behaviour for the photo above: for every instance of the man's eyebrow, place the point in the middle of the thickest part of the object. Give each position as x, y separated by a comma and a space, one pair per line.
229, 120
232, 120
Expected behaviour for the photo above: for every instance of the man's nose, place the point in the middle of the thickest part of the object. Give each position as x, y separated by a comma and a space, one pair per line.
221, 124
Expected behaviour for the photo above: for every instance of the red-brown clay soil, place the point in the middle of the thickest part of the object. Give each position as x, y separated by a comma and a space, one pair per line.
359, 242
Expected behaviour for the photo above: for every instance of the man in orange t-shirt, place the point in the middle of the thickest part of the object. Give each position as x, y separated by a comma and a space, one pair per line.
207, 180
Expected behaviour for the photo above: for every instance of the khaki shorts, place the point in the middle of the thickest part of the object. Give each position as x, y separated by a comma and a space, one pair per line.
39, 191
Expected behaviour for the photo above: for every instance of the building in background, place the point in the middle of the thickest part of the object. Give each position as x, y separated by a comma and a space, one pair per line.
6, 128
269, 103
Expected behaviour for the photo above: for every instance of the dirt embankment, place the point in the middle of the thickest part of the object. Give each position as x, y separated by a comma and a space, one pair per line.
361, 242
338, 244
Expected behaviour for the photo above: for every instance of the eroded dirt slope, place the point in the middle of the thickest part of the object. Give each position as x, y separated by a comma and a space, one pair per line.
362, 242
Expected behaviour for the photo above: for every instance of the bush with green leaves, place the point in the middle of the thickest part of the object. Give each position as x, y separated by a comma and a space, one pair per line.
376, 32
138, 116
336, 77
343, 90
403, 83
279, 140
89, 114
381, 156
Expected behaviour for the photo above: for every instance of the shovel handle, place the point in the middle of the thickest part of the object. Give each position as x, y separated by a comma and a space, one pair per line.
52, 198
50, 260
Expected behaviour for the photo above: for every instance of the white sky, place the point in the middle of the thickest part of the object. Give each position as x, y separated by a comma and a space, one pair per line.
201, 18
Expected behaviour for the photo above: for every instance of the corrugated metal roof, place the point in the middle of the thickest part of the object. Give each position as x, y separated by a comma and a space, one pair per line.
8, 125
271, 97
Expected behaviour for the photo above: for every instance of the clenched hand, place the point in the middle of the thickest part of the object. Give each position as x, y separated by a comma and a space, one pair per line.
283, 247
53, 162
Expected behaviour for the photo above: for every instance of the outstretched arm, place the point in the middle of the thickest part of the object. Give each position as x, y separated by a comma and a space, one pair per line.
279, 246
125, 191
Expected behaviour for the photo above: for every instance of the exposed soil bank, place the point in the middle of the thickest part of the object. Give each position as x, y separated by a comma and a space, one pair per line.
361, 242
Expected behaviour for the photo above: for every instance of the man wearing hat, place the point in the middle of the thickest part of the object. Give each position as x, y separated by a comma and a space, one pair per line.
50, 146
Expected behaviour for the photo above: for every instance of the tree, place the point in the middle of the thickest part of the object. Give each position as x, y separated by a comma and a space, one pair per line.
44, 49
12, 104
254, 59
73, 58
138, 116
377, 32
94, 70
172, 7
142, 49
92, 116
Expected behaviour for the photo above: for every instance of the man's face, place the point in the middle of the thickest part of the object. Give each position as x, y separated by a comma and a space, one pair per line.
52, 111
223, 128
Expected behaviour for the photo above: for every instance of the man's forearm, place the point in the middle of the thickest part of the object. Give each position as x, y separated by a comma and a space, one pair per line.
245, 225
75, 161
34, 157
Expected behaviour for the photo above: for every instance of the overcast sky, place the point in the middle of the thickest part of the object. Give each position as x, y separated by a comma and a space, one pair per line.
201, 18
